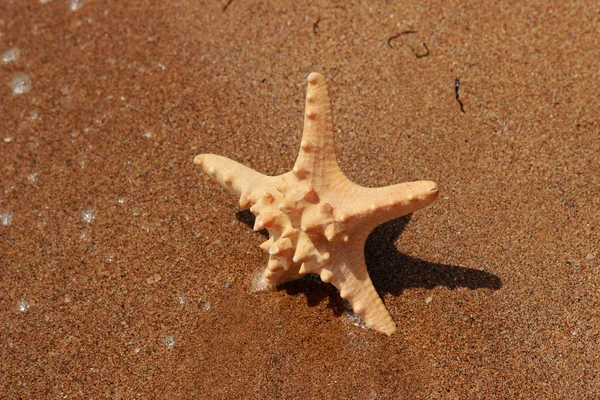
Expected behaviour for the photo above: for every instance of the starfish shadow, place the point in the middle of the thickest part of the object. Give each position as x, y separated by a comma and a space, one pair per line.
390, 270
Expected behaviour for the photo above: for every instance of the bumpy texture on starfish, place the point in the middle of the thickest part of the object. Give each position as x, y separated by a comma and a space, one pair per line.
318, 220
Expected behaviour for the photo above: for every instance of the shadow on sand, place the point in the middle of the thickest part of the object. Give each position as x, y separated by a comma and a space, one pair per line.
390, 270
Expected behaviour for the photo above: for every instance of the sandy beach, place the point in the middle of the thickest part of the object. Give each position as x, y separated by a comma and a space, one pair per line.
126, 273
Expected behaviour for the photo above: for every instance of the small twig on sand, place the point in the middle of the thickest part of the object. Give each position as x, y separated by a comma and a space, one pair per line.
416, 53
316, 25
227, 5
389, 42
456, 88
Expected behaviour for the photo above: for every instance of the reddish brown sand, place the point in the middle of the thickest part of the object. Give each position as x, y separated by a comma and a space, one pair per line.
125, 273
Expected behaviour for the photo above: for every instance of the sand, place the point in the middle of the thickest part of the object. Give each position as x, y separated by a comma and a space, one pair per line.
125, 273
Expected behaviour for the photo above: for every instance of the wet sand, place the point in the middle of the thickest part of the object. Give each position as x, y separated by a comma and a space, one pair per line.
126, 273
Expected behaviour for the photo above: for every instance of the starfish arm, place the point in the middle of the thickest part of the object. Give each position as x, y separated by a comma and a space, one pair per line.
378, 205
317, 159
352, 279
232, 175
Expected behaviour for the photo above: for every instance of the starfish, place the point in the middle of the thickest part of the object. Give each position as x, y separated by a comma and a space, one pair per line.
319, 220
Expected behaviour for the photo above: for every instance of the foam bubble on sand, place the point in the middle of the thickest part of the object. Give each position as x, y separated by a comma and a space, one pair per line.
88, 215
205, 304
23, 304
6, 218
76, 5
351, 317
169, 340
153, 279
259, 284
21, 84
11, 55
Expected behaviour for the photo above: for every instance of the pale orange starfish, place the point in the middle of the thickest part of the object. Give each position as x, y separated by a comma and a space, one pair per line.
318, 220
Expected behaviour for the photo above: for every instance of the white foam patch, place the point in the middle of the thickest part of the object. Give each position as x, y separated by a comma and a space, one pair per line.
6, 217
23, 304
351, 317
169, 341
11, 55
259, 284
76, 5
88, 215
21, 84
